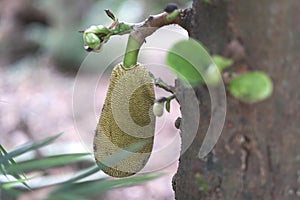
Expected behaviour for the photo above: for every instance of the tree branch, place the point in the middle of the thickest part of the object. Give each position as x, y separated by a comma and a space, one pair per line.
144, 29
95, 36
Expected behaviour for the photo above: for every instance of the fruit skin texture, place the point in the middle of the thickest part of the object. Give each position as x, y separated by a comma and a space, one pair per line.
126, 119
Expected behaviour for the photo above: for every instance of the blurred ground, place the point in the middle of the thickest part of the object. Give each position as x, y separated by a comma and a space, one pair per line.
40, 53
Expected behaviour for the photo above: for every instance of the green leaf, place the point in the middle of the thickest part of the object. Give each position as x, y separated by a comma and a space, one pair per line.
192, 63
222, 62
46, 163
251, 87
83, 174
12, 184
8, 163
168, 105
5, 162
27, 147
89, 188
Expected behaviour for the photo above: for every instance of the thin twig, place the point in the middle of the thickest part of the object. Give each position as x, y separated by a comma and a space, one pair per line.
161, 84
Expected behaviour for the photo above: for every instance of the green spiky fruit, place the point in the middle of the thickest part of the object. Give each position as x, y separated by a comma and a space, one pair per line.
126, 119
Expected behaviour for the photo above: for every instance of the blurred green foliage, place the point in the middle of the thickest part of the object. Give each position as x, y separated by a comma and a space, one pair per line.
78, 187
191, 62
221, 62
251, 87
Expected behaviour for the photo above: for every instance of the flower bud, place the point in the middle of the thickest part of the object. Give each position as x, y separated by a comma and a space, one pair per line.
158, 109
91, 40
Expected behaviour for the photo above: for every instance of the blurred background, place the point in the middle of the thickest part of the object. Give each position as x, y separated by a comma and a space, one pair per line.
41, 52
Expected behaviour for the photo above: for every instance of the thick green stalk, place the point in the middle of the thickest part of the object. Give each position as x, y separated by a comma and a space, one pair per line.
133, 45
132, 51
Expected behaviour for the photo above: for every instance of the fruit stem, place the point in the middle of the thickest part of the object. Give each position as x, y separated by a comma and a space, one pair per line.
132, 51
142, 30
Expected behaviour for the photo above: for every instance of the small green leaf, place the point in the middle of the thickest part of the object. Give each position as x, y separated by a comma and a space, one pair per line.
251, 87
168, 105
222, 62
192, 63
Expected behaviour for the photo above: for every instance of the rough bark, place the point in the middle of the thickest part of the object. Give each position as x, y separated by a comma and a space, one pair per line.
258, 154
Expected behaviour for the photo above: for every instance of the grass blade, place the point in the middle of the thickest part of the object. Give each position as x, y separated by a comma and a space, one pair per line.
7, 161
10, 162
46, 163
92, 170
90, 188
29, 147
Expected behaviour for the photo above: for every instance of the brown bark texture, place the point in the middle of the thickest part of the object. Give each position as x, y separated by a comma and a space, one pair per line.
258, 153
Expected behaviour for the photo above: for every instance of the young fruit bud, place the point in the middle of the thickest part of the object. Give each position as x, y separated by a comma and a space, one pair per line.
95, 36
91, 40
98, 30
158, 109
212, 75
126, 120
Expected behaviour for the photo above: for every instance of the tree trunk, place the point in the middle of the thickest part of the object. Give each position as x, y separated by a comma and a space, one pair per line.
258, 153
